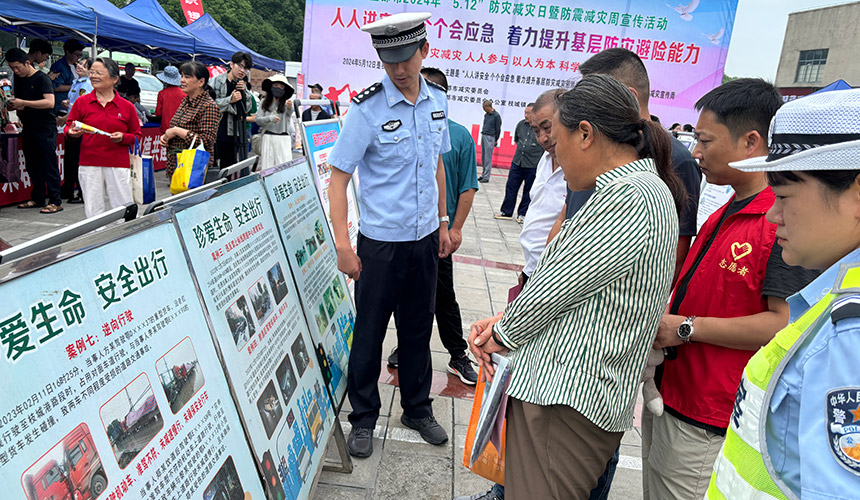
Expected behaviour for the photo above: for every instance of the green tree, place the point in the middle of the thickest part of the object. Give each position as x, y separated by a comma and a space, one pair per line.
273, 28
727, 78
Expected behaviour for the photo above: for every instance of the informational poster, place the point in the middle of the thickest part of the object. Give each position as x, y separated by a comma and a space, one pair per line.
114, 388
710, 200
319, 141
313, 259
510, 51
243, 274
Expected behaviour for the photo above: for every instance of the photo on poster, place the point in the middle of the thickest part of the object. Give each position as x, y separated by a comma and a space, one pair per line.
180, 374
277, 282
131, 419
321, 318
311, 244
301, 256
319, 232
270, 409
226, 484
72, 468
261, 300
286, 379
338, 289
240, 322
330, 303
300, 355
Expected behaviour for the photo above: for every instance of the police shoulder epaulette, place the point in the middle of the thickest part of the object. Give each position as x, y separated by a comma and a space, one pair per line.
435, 85
366, 93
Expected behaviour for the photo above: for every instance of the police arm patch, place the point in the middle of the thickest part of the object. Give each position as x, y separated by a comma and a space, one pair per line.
843, 426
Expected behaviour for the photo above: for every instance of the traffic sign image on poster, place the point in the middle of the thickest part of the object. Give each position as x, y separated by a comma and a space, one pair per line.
240, 266
310, 246
107, 353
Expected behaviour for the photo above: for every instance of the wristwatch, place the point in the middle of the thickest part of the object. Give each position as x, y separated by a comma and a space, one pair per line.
444, 219
685, 330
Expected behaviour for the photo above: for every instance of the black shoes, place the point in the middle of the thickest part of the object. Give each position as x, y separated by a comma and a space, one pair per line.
462, 368
360, 442
429, 429
392, 359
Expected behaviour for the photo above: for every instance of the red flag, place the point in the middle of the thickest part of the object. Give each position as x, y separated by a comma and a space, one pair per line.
193, 9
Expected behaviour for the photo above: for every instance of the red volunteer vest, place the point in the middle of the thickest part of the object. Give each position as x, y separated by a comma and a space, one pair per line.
702, 381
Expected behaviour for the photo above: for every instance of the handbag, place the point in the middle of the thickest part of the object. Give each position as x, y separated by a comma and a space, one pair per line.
190, 168
10, 170
142, 176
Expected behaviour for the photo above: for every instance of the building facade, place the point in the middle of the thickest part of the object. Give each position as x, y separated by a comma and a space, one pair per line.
821, 46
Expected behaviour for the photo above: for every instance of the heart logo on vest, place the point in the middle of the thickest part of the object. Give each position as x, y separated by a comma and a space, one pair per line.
741, 250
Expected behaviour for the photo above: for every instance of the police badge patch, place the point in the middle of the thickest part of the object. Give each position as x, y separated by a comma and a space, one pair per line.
391, 126
843, 426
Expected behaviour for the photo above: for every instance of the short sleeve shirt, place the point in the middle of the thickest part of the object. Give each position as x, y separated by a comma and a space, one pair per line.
395, 146
34, 88
461, 170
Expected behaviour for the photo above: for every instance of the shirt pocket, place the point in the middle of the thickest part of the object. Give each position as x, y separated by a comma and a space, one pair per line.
434, 134
395, 146
782, 409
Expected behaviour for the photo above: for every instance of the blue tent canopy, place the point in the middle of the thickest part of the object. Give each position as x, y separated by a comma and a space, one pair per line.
50, 19
119, 31
206, 28
151, 12
837, 85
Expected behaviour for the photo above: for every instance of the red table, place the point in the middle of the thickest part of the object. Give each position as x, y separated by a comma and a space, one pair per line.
17, 192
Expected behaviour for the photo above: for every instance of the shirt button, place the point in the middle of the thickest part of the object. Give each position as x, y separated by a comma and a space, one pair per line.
419, 136
395, 137
421, 191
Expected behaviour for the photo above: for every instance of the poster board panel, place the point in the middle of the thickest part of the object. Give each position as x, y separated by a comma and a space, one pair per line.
322, 288
119, 390
242, 271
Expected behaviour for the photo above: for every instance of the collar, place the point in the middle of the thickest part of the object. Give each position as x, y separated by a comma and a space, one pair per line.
643, 165
820, 286
393, 95
760, 204
195, 101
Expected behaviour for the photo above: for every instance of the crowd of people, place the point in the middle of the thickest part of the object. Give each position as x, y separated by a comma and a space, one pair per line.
190, 111
613, 275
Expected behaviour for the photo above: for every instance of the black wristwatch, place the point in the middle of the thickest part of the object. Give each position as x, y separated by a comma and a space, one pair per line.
685, 330
496, 338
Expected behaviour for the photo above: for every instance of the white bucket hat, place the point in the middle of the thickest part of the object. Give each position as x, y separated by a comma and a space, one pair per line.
816, 132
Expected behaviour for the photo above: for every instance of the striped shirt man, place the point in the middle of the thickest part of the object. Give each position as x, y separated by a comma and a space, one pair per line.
583, 325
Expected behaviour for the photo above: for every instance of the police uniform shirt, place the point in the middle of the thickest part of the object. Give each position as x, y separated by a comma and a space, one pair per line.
396, 146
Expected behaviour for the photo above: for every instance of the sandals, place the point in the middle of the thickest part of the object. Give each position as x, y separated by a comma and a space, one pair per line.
51, 209
30, 204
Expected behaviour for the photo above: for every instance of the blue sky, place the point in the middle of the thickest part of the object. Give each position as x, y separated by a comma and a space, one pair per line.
758, 33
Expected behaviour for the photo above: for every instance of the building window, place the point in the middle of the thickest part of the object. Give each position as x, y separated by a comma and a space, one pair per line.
810, 66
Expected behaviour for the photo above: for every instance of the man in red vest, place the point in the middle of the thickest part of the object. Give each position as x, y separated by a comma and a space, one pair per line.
728, 301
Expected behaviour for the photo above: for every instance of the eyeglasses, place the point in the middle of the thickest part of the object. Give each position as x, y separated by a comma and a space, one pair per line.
97, 73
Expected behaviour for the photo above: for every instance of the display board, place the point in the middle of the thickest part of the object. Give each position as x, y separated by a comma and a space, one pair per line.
511, 51
313, 259
319, 139
118, 390
244, 277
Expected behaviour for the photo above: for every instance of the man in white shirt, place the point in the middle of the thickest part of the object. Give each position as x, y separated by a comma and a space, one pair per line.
549, 189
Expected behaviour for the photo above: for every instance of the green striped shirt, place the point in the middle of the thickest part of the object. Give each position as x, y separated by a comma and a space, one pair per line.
582, 327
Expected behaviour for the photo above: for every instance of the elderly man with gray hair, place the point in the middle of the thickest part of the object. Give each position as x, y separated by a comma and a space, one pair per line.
315, 112
490, 133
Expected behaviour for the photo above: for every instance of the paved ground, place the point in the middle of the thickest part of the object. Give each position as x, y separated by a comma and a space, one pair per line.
403, 466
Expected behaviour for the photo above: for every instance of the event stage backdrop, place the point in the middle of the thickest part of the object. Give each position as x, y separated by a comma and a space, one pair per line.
511, 51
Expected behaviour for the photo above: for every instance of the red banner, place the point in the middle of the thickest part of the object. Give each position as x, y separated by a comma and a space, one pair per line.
192, 9
17, 192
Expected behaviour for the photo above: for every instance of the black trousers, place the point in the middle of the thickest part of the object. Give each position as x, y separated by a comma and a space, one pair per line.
447, 311
40, 156
395, 276
516, 178
71, 163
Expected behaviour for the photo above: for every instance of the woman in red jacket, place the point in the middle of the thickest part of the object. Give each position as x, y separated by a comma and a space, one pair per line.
110, 127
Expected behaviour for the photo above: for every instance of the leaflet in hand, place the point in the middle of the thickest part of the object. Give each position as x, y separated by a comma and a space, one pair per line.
490, 405
89, 128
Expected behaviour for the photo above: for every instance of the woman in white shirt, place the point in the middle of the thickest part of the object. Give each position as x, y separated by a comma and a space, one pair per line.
274, 118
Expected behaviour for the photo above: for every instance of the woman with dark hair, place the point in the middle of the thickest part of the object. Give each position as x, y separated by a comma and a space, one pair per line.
796, 414
80, 86
583, 326
274, 118
196, 119
108, 125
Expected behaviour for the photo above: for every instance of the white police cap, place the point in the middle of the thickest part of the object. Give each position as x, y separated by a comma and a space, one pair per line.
397, 37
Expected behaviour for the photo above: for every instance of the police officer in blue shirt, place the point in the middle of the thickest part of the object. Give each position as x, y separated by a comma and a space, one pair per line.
394, 134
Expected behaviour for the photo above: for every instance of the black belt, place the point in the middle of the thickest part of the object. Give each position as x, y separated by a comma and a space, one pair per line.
275, 133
